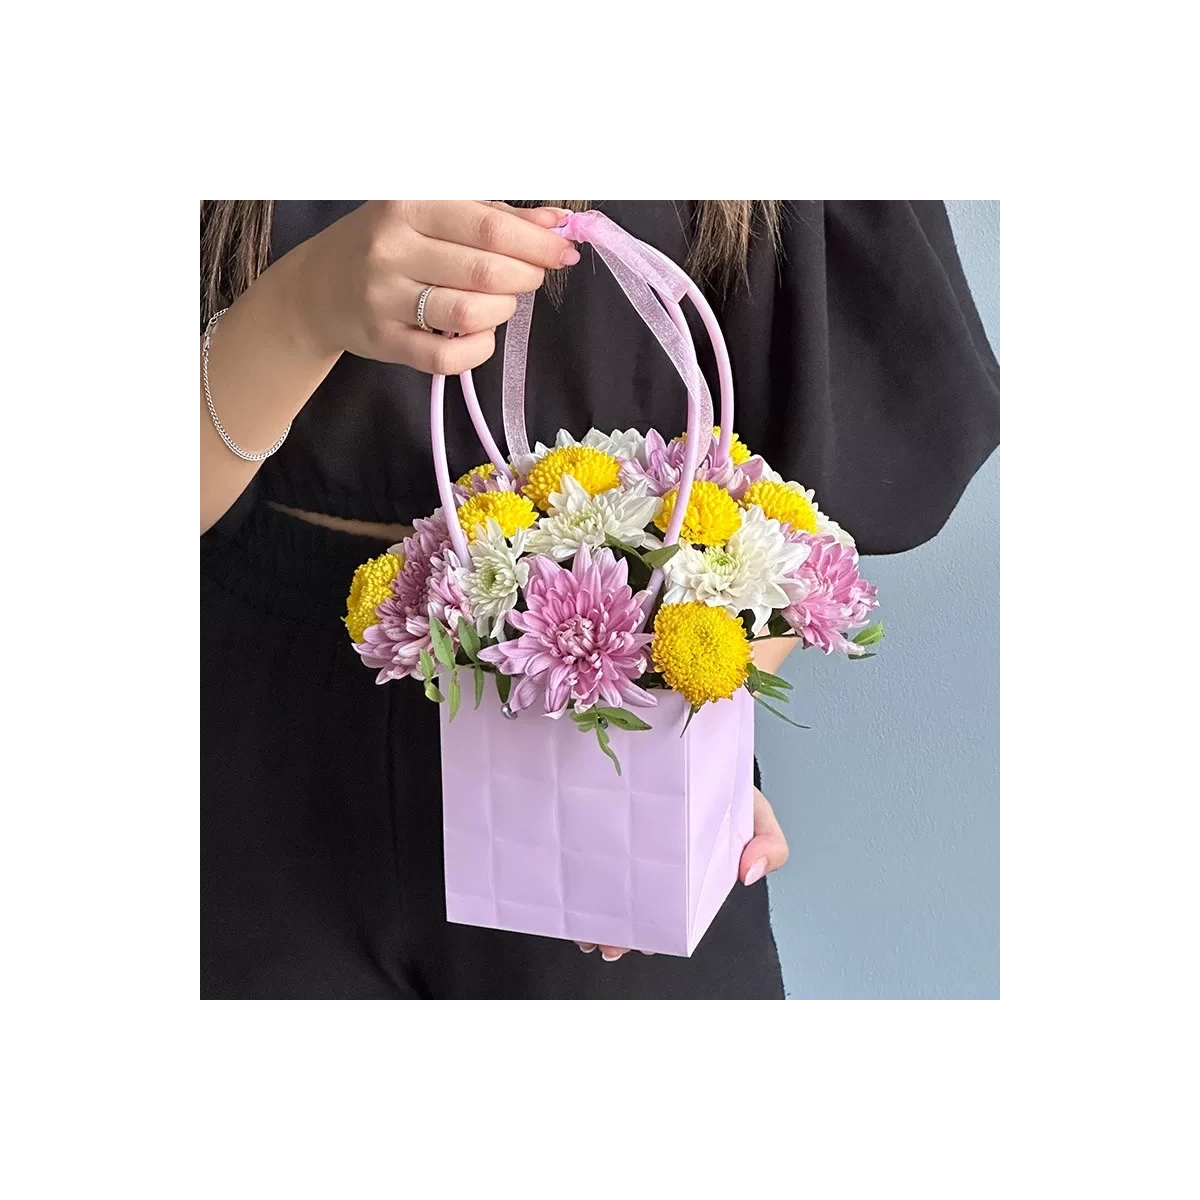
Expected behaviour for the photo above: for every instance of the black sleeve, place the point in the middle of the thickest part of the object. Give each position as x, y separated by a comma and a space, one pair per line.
876, 384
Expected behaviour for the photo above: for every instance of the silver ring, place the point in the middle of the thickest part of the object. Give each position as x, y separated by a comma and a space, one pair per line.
421, 310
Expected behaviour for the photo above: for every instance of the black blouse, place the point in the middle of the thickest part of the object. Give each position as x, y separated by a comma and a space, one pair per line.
860, 369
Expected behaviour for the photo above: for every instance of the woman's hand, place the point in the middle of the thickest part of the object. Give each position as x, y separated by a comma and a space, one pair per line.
766, 851
361, 278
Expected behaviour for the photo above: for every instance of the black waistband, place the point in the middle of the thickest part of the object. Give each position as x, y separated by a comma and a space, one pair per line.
280, 564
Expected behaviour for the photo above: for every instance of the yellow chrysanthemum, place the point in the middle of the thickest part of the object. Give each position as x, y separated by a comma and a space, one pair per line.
371, 586
738, 450
592, 469
701, 652
510, 511
784, 504
712, 517
481, 473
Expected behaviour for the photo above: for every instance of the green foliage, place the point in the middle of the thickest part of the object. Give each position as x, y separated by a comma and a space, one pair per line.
622, 718
775, 712
639, 569
455, 694
778, 627
503, 686
763, 683
443, 647
660, 557
602, 739
427, 665
870, 635
479, 684
469, 640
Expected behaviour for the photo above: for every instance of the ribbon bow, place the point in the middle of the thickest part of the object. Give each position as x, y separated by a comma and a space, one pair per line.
641, 271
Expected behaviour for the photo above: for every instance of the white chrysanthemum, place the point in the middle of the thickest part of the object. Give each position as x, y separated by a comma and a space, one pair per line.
746, 574
621, 443
496, 575
826, 526
578, 519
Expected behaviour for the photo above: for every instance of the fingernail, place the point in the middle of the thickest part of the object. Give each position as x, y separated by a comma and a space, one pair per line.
758, 868
570, 256
609, 957
649, 953
586, 949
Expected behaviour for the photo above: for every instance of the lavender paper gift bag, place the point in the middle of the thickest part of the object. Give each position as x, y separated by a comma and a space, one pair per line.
541, 834
538, 839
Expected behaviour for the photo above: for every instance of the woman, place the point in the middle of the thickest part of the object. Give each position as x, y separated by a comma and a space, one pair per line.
861, 370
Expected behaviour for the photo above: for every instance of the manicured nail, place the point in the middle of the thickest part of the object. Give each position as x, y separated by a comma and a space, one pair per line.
649, 953
587, 949
758, 868
570, 256
609, 957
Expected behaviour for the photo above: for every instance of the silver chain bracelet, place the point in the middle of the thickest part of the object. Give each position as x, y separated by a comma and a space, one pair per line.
212, 412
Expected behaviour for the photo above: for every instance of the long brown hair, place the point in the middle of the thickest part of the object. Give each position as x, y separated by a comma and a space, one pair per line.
235, 241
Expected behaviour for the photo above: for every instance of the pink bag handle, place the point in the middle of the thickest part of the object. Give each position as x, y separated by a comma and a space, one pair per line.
654, 285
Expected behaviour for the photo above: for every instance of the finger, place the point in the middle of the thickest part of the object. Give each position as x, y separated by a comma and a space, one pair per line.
432, 353
545, 216
452, 310
447, 264
612, 953
586, 947
494, 229
767, 850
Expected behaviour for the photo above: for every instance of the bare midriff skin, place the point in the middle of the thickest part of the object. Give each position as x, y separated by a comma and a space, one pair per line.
372, 529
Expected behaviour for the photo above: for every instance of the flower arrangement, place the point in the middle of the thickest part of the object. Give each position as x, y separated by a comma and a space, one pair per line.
555, 598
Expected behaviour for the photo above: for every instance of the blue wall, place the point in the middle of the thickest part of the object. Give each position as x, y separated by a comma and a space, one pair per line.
891, 801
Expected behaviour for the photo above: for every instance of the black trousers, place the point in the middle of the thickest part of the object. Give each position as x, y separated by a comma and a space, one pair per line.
321, 838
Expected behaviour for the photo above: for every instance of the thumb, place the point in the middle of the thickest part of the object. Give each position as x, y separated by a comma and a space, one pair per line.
767, 850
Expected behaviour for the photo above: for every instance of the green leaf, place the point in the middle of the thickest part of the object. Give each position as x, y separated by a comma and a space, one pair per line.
585, 721
691, 713
602, 738
468, 638
479, 678
660, 557
614, 543
870, 635
428, 669
431, 691
503, 686
774, 681
455, 695
622, 718
777, 626
776, 712
859, 657
443, 647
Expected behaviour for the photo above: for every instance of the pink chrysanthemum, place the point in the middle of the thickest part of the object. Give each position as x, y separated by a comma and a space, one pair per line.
579, 643
828, 596
426, 586
664, 467
482, 479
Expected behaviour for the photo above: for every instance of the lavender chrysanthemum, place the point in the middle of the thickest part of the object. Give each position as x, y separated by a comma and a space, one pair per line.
427, 586
579, 644
664, 468
828, 596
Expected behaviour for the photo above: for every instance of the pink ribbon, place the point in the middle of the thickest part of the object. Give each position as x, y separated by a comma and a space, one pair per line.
641, 272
